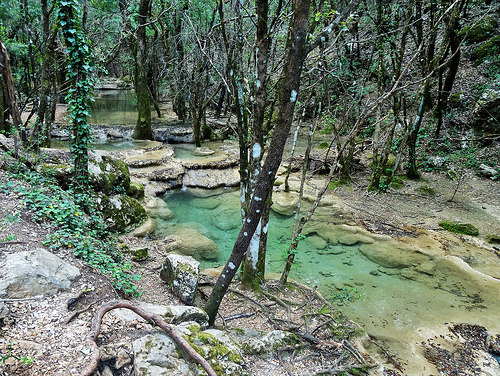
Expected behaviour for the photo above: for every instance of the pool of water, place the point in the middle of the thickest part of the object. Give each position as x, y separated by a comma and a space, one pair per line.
114, 107
397, 311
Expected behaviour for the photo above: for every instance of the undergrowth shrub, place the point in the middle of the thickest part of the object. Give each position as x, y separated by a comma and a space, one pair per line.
77, 224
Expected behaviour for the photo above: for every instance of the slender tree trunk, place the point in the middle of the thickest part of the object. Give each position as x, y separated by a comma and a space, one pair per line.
295, 55
143, 126
254, 266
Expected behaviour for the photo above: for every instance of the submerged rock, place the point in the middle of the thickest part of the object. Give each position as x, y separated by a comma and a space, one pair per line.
182, 274
187, 241
37, 272
285, 203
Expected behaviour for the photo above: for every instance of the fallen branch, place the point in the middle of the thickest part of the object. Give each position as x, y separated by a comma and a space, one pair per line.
149, 317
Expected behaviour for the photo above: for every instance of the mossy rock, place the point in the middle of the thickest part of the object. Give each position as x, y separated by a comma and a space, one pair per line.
108, 175
120, 212
480, 31
489, 49
136, 190
459, 228
426, 190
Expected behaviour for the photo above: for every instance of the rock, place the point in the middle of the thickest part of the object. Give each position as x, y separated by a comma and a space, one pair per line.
122, 359
226, 219
136, 190
182, 274
212, 178
493, 344
436, 161
147, 228
4, 311
157, 208
256, 342
107, 371
172, 174
285, 203
172, 314
488, 171
139, 254
121, 213
486, 50
174, 134
187, 241
389, 255
479, 31
37, 272
316, 242
487, 111
202, 151
108, 174
157, 354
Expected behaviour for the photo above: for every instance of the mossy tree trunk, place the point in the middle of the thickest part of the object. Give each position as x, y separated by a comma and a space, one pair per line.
143, 128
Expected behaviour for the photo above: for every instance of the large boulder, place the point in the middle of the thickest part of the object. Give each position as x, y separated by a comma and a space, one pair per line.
157, 354
487, 111
157, 208
212, 178
108, 174
263, 344
182, 274
121, 213
187, 241
36, 272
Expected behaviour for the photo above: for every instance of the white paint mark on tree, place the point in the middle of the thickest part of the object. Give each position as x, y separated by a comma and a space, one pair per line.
293, 96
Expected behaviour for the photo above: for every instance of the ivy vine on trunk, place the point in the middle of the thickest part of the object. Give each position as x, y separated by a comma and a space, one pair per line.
79, 68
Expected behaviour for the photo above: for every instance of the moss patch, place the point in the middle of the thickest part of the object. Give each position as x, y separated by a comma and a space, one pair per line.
426, 190
493, 239
459, 228
480, 31
491, 48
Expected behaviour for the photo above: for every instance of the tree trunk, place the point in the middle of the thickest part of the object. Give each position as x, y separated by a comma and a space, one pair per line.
254, 266
295, 55
9, 94
143, 126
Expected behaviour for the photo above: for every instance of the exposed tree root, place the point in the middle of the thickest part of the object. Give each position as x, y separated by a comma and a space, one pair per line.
149, 317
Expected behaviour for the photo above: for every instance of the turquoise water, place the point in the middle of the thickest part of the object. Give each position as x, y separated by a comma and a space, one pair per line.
399, 312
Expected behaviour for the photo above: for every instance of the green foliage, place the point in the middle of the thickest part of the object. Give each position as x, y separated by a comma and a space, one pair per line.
79, 69
459, 228
23, 359
84, 232
479, 31
4, 223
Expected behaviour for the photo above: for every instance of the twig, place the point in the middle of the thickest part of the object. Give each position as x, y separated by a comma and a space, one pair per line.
21, 299
240, 316
149, 317
76, 313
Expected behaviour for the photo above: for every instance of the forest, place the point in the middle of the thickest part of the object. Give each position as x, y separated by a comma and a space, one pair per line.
386, 111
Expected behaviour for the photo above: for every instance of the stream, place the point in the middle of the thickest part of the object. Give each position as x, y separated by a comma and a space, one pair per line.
401, 292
